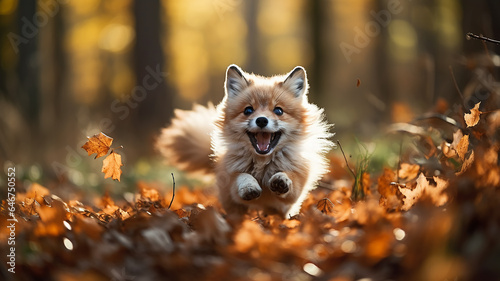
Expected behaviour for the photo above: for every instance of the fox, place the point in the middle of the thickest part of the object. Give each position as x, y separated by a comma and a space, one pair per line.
264, 142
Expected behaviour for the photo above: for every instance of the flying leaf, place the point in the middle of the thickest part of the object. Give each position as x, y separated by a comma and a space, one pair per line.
472, 118
463, 147
467, 163
111, 166
99, 144
325, 206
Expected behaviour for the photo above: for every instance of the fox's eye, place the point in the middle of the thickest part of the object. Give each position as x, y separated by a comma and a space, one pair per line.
278, 111
248, 110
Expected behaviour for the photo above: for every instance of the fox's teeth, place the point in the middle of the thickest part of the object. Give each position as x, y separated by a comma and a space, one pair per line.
263, 142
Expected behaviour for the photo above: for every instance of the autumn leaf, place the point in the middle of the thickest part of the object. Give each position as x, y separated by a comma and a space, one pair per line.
325, 206
390, 196
437, 194
459, 147
424, 188
413, 195
467, 163
408, 171
99, 144
472, 118
463, 147
111, 166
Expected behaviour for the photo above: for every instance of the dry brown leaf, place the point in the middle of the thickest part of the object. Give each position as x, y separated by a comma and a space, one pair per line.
408, 171
99, 144
148, 192
459, 147
87, 226
472, 118
51, 219
412, 195
35, 192
325, 206
424, 188
462, 147
390, 197
467, 163
111, 166
437, 194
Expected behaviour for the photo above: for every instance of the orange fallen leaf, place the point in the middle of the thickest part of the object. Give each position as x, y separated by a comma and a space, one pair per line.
325, 206
472, 118
51, 219
437, 194
408, 171
99, 144
111, 166
390, 196
424, 188
35, 192
459, 147
463, 147
413, 195
467, 163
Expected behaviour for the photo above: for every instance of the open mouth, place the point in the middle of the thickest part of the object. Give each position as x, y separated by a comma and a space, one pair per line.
264, 142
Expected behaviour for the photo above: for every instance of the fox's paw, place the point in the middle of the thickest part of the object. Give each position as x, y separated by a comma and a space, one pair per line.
248, 187
280, 183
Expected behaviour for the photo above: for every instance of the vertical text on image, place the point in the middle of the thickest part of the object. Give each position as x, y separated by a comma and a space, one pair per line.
12, 220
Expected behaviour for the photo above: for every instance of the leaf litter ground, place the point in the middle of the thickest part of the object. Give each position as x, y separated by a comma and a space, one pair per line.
433, 217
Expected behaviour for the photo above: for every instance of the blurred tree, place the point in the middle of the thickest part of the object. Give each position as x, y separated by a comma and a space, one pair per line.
157, 108
28, 65
318, 22
254, 61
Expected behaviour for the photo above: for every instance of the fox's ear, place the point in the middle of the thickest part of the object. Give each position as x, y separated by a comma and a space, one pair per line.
235, 80
296, 81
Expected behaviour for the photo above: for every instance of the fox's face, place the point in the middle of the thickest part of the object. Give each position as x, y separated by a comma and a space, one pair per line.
263, 114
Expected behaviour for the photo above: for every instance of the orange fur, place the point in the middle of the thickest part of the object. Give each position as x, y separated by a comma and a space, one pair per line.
286, 156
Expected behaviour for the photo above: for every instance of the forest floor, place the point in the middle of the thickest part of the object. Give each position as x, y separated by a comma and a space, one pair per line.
434, 216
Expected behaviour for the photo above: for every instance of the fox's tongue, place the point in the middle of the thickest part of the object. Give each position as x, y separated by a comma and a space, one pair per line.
263, 140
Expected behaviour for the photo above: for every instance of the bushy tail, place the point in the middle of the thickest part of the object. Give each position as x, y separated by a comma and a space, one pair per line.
186, 143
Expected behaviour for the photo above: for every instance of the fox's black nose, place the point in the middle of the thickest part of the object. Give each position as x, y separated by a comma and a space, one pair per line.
261, 122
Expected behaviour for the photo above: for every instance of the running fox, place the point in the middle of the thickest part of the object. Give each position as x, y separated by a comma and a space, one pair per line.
265, 142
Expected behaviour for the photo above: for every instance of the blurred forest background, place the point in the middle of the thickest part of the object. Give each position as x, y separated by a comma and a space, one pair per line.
70, 69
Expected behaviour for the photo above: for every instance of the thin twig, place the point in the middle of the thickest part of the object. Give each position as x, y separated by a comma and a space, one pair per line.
173, 192
352, 172
481, 37
456, 84
399, 161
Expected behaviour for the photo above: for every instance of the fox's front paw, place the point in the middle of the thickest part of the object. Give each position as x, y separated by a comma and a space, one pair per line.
280, 183
248, 187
